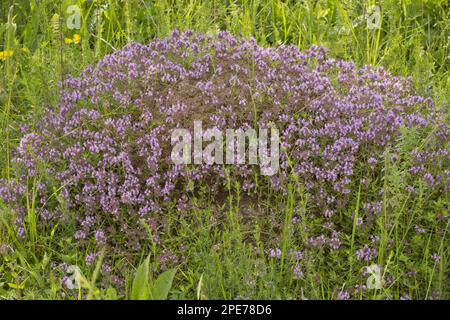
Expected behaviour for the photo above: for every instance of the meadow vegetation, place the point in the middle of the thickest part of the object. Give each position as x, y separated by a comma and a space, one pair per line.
91, 207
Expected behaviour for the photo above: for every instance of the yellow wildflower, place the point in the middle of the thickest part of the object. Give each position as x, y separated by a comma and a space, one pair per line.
6, 54
76, 38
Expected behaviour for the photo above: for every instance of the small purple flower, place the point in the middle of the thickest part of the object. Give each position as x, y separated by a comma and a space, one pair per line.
100, 237
419, 229
359, 221
167, 259
297, 273
343, 295
410, 189
90, 258
4, 249
372, 161
297, 255
366, 253
374, 239
412, 273
80, 234
106, 268
360, 288
317, 242
21, 232
429, 179
275, 253
334, 242
328, 213
435, 257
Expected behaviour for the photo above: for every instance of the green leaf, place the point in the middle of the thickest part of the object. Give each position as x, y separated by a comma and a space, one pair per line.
111, 294
140, 288
17, 286
162, 284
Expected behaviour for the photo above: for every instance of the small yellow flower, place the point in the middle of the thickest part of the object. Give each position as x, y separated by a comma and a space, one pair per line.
6, 54
25, 50
76, 38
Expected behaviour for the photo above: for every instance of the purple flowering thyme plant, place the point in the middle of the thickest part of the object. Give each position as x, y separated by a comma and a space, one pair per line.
100, 159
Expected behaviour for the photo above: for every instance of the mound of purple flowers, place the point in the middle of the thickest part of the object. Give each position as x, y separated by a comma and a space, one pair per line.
104, 152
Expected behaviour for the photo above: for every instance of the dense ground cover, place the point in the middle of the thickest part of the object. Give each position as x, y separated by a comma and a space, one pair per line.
359, 208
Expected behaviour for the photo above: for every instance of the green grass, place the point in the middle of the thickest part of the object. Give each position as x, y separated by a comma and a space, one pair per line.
226, 254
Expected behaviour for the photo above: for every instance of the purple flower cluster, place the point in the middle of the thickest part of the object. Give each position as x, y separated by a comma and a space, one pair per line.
106, 146
366, 253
